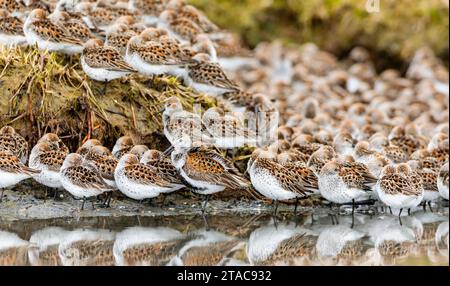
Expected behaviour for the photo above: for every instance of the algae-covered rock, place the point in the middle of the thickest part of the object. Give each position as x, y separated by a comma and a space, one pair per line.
44, 92
395, 30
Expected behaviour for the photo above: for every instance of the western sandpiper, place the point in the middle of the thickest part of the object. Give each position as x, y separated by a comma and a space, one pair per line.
193, 14
46, 35
123, 145
179, 122
88, 145
105, 163
397, 190
48, 158
139, 181
150, 9
12, 141
274, 180
103, 63
138, 150
13, 171
227, 130
182, 29
76, 28
208, 77
342, 183
205, 171
53, 138
164, 167
81, 178
117, 36
151, 58
11, 30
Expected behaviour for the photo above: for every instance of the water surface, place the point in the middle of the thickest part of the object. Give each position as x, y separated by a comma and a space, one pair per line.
420, 239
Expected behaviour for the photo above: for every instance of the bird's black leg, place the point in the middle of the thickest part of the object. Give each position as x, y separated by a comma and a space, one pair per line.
82, 205
276, 208
424, 206
429, 206
1, 196
353, 213
205, 204
205, 220
107, 200
296, 205
390, 210
409, 212
400, 212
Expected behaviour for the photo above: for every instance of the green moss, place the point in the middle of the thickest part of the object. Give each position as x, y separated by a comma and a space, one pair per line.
397, 31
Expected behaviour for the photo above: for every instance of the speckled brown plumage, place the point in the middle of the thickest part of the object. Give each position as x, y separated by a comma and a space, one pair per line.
143, 174
10, 25
205, 165
212, 74
105, 57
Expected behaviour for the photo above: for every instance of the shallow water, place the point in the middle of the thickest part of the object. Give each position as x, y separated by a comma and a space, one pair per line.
420, 239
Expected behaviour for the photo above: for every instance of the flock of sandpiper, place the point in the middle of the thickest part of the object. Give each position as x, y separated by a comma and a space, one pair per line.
343, 131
